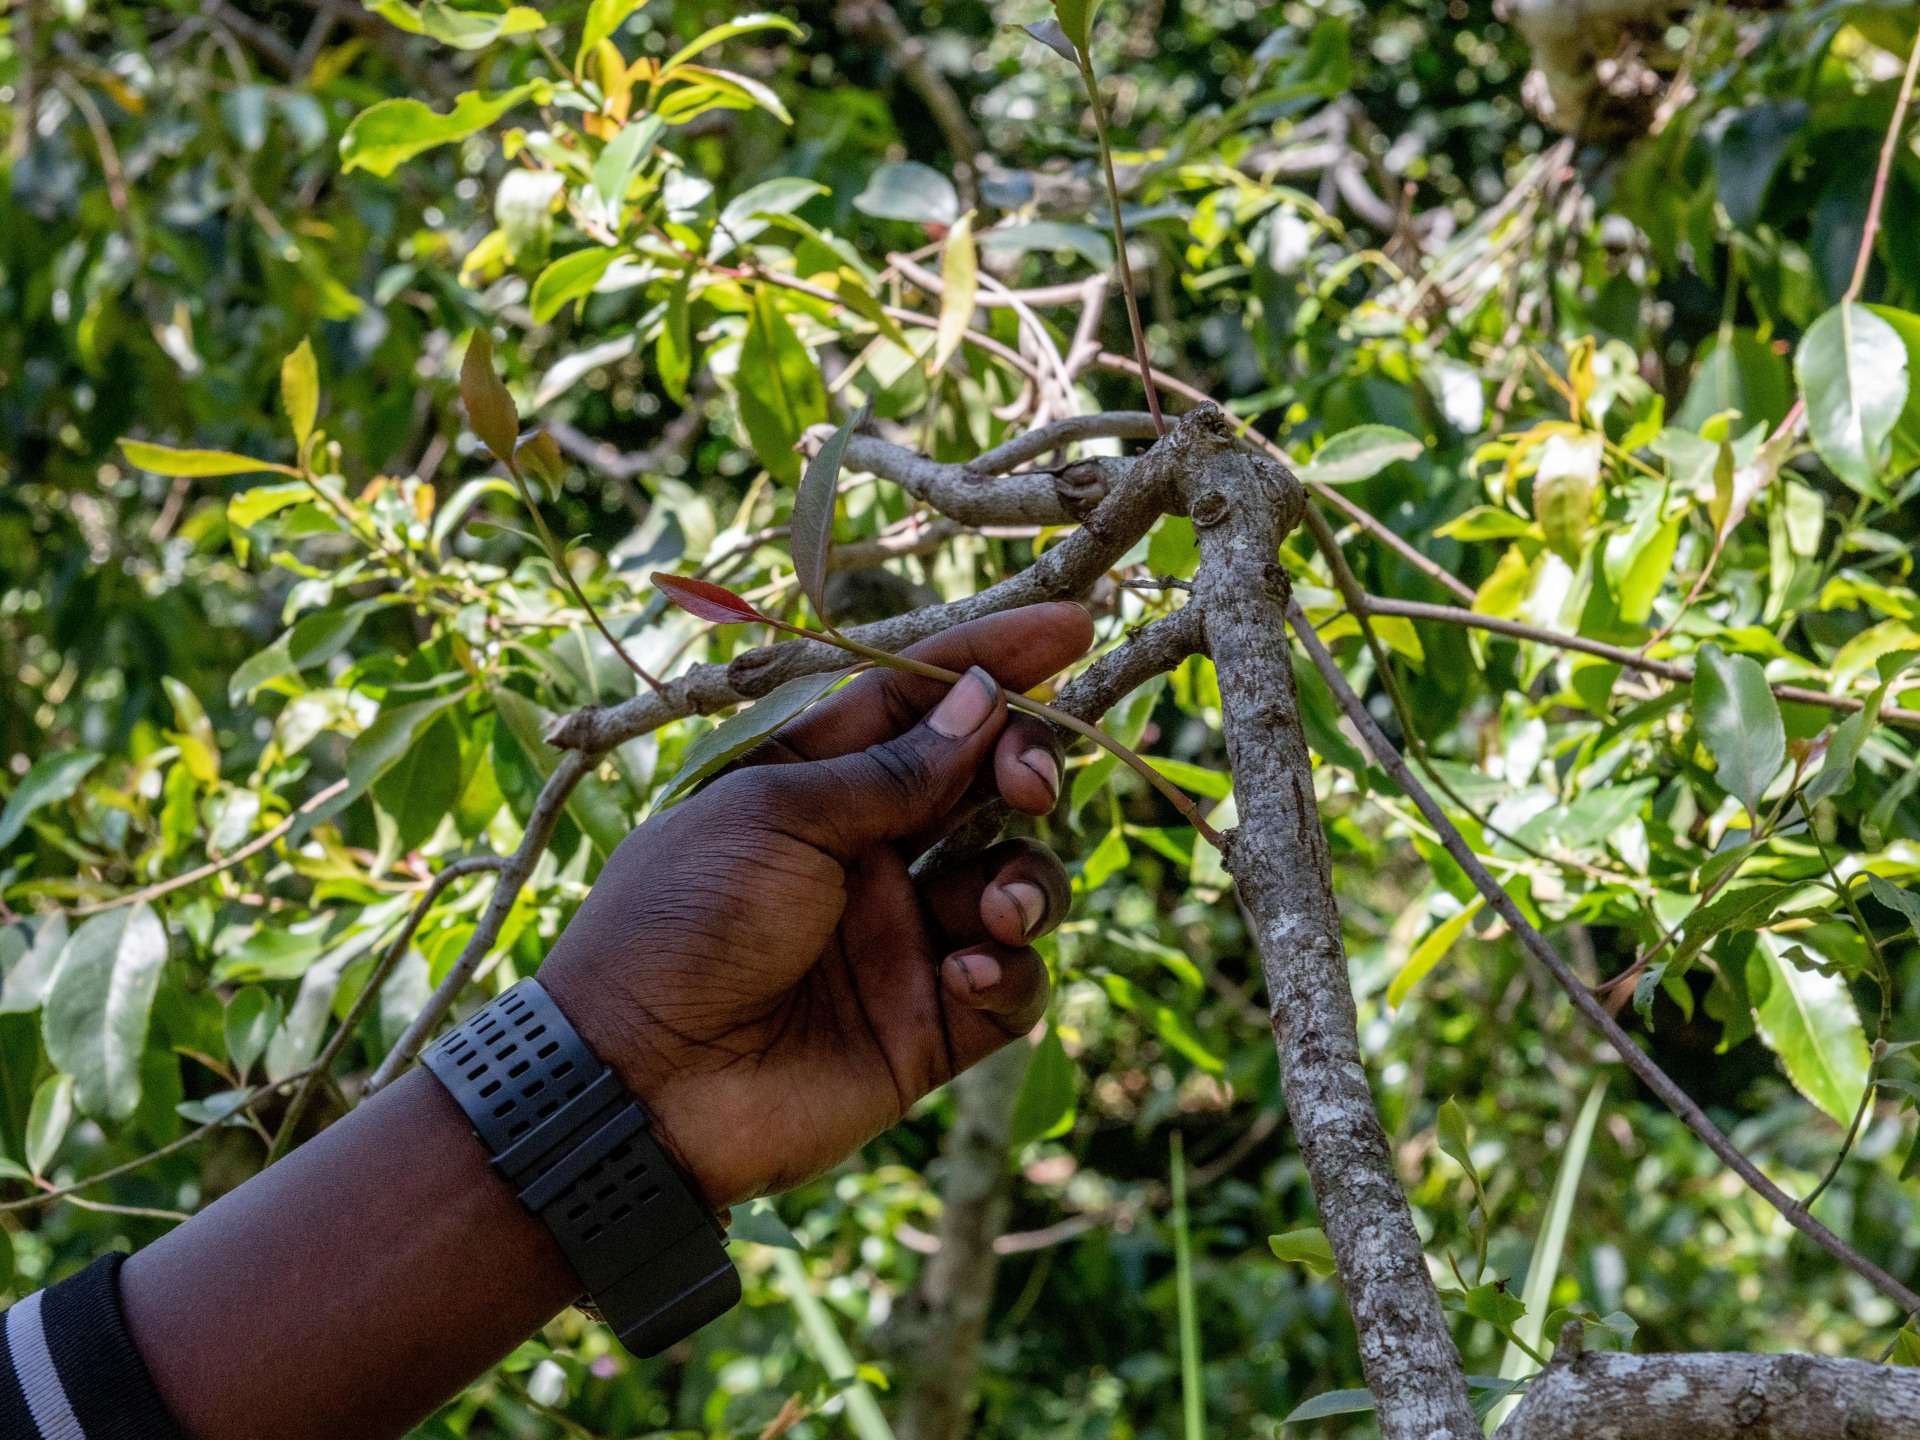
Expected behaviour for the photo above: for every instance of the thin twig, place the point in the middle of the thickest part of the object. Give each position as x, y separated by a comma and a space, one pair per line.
172, 1147
1590, 1008
1887, 146
213, 867
297, 1107
1120, 239
573, 767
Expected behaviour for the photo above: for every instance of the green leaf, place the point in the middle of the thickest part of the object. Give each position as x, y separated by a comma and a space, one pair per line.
490, 409
743, 730
1493, 1303
907, 190
571, 277
379, 747
1307, 1247
780, 390
1429, 951
52, 779
385, 136
1896, 898
1076, 20
622, 158
1852, 367
1739, 720
250, 1020
47, 1121
1045, 1107
604, 17
814, 505
460, 29
1906, 1346
250, 507
1810, 1022
300, 391
1332, 1402
1360, 454
424, 785
594, 805
165, 460
1563, 490
1049, 34
739, 25
1743, 375
1050, 237
95, 1019
27, 980
673, 351
1736, 910
760, 1223
1455, 1138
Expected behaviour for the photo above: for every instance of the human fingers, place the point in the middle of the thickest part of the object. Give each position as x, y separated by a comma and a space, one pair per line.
887, 791
1028, 763
1019, 648
1012, 892
995, 993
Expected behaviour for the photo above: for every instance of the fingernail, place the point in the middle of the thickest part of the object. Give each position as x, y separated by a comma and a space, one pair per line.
1030, 901
1041, 762
967, 705
982, 971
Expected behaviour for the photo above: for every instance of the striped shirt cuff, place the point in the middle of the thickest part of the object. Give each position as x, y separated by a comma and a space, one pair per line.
69, 1370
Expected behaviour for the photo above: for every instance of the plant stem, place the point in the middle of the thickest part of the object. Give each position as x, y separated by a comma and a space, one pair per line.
1120, 240
1192, 1397
559, 559
1887, 147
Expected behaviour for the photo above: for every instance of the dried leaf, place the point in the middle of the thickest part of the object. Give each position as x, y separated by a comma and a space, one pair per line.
490, 409
705, 599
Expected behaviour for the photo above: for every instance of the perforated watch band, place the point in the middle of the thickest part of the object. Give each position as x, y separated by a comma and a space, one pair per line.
579, 1152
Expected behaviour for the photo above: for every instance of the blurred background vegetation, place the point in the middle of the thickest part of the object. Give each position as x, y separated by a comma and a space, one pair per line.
1339, 214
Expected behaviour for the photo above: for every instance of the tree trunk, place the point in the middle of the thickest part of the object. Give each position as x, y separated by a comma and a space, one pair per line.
948, 1316
1242, 506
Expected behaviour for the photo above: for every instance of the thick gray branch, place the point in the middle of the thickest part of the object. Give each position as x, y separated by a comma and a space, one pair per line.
1066, 571
1242, 507
1717, 1397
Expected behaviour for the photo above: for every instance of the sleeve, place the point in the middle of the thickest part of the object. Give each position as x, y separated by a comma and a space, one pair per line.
68, 1367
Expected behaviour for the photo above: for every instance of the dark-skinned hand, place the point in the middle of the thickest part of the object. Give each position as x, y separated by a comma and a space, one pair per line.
758, 962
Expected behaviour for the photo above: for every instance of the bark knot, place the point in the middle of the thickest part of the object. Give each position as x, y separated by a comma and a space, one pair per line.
1209, 510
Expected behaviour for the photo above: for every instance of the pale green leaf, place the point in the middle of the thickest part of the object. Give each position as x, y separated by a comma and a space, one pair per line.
1429, 952
1852, 367
300, 391
814, 504
95, 1018
571, 277
1360, 454
47, 1121
1809, 1020
960, 279
743, 730
385, 136
1045, 1106
1307, 1247
739, 25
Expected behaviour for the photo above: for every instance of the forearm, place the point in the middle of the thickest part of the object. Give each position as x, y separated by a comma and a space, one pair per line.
350, 1289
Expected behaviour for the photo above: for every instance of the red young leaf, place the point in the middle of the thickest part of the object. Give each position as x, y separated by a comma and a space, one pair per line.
705, 599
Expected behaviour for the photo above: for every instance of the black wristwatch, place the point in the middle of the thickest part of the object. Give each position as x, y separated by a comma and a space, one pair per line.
580, 1153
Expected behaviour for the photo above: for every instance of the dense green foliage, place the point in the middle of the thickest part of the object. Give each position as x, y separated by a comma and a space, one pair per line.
224, 230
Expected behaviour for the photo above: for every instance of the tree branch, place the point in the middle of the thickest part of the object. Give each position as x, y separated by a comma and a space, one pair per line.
1716, 1397
1066, 571
1242, 506
1636, 1059
547, 808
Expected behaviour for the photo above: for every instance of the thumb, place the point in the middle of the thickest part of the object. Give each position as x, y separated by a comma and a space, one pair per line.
898, 787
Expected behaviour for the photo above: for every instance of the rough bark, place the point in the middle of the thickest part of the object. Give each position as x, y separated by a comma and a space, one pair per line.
1242, 506
1717, 1397
946, 1317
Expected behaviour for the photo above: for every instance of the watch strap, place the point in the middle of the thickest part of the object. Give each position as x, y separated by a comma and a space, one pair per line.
579, 1152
